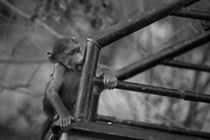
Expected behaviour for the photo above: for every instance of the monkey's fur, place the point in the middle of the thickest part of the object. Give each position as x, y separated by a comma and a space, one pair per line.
62, 88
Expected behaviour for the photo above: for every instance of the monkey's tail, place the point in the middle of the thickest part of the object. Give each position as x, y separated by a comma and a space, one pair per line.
45, 128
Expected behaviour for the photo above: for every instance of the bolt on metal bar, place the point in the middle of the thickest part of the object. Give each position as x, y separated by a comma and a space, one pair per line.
174, 130
195, 14
186, 65
138, 21
85, 86
166, 53
180, 94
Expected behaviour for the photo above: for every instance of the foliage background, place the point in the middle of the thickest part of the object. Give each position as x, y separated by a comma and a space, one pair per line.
28, 28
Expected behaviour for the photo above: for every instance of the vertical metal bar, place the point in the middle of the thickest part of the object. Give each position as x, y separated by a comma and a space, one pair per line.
94, 104
85, 86
169, 52
138, 21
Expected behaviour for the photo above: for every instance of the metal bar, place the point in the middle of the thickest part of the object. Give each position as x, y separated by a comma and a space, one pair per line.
180, 94
185, 65
110, 35
94, 104
192, 14
166, 53
109, 131
173, 130
138, 21
85, 86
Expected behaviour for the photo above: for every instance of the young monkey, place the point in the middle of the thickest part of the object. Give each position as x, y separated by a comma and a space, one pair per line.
62, 89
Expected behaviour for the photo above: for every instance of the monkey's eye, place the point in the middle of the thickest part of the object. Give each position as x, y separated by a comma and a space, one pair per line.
77, 50
71, 53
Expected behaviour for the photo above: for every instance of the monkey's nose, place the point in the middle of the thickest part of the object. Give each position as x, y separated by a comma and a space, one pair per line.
81, 62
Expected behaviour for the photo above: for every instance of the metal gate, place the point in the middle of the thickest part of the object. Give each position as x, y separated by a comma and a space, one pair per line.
90, 125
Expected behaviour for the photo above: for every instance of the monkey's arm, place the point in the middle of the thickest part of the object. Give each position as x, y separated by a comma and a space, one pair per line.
55, 100
53, 88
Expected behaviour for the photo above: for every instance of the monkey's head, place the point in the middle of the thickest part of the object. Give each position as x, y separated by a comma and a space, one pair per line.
67, 52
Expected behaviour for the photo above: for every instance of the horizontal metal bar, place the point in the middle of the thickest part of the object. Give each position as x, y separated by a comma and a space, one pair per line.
186, 65
115, 132
192, 14
138, 21
164, 54
173, 130
180, 94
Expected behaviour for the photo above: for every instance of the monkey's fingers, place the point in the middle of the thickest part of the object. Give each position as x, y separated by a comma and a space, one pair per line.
105, 81
66, 125
72, 119
109, 84
114, 83
56, 117
63, 126
69, 124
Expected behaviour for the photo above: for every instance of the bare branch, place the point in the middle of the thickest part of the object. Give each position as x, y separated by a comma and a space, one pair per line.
27, 16
154, 108
49, 29
14, 87
17, 89
23, 62
13, 8
34, 73
37, 96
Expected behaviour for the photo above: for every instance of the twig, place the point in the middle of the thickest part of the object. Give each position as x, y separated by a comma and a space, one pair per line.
19, 12
34, 73
23, 62
49, 29
27, 16
14, 87
17, 89
154, 108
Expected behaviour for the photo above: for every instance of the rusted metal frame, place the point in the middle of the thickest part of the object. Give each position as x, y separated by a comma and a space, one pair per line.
180, 94
105, 130
164, 54
186, 65
112, 34
138, 21
195, 14
129, 26
85, 86
173, 130
93, 105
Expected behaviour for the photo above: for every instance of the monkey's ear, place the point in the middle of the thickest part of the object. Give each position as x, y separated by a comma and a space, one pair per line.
51, 57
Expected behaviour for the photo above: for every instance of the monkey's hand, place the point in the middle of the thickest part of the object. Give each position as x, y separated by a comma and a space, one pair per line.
109, 80
64, 123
